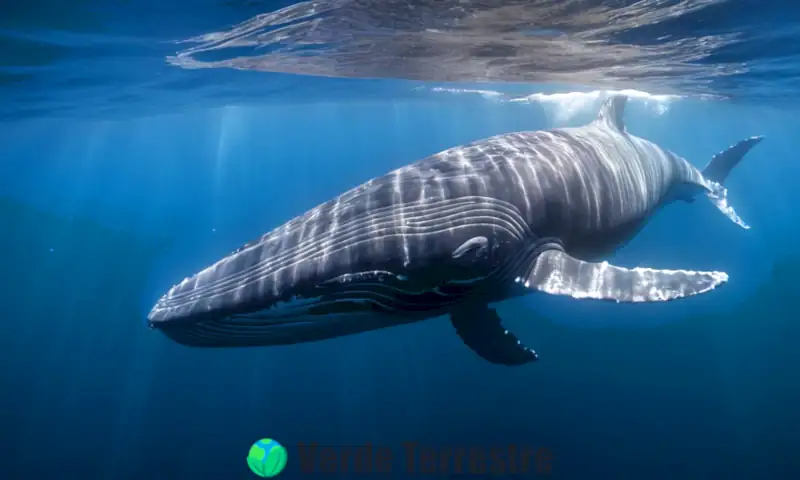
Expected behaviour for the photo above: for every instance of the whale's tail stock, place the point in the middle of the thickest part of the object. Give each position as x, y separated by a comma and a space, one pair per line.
717, 171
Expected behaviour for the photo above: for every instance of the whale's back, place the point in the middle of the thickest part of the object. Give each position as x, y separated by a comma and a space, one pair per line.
592, 187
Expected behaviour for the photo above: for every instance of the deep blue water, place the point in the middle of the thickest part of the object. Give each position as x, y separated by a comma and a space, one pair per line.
121, 173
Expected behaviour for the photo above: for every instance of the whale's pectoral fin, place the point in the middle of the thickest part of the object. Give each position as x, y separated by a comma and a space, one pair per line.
557, 273
481, 329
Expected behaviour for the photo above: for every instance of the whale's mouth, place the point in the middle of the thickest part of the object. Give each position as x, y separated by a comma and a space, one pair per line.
252, 331
296, 320
236, 331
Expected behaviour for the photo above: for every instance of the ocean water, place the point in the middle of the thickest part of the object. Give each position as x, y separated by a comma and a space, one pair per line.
141, 141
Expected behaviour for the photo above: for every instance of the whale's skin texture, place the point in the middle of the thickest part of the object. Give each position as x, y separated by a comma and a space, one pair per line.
454, 230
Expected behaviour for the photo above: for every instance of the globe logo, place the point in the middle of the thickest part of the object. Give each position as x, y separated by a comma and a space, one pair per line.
267, 458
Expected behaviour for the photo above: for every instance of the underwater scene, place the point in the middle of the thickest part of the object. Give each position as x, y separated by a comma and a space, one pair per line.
399, 239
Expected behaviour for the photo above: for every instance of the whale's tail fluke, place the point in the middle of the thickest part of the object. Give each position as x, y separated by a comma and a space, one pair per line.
722, 163
717, 171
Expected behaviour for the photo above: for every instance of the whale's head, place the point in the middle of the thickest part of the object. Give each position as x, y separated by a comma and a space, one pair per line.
239, 301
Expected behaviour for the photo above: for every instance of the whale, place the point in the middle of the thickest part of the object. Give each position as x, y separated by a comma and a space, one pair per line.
454, 234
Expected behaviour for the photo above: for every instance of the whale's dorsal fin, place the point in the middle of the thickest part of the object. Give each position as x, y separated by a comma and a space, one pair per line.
612, 113
557, 273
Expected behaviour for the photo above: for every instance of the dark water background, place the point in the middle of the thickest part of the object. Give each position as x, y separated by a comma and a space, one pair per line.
121, 172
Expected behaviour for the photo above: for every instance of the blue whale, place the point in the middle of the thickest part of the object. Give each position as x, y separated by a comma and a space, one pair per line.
450, 235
